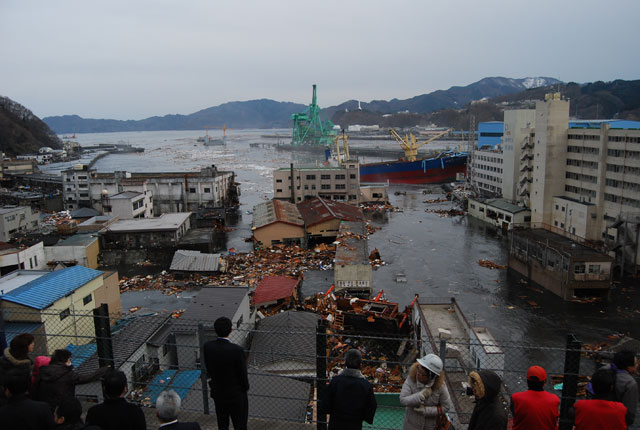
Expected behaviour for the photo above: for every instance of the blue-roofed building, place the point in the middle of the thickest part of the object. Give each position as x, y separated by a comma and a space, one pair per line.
490, 133
62, 301
615, 124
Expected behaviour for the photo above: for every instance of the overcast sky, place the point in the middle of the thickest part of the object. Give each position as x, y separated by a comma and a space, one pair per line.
138, 58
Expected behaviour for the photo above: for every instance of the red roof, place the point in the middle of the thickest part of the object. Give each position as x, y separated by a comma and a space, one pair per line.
272, 288
318, 210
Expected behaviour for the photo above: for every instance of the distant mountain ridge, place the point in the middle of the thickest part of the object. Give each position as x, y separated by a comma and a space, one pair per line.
267, 113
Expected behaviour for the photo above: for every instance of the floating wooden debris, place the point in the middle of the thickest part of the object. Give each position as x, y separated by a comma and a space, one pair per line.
490, 264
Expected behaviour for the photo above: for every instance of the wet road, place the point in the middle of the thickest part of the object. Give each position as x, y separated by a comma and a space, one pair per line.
438, 255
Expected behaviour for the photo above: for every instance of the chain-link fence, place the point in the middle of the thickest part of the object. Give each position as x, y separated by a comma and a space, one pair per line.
291, 357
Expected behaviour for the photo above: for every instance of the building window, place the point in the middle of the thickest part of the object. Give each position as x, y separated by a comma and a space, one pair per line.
325, 186
352, 176
594, 269
279, 190
325, 176
341, 186
340, 176
278, 181
579, 268
306, 187
207, 190
65, 313
311, 177
35, 260
192, 190
87, 299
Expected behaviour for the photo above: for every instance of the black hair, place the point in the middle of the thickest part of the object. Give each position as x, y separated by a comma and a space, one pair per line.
624, 359
602, 382
17, 383
19, 346
222, 326
60, 356
535, 384
115, 382
69, 408
353, 359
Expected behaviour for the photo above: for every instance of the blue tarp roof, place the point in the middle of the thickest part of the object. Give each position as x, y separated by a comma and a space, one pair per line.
47, 289
81, 353
180, 382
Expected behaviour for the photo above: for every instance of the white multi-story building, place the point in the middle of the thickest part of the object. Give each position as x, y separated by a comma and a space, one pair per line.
487, 170
171, 192
14, 219
128, 205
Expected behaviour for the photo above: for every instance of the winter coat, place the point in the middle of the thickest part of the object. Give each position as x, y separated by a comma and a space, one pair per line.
26, 414
349, 401
116, 414
10, 364
488, 413
626, 392
57, 381
410, 398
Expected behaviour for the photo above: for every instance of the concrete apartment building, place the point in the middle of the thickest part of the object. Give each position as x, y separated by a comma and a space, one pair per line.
128, 205
487, 169
580, 179
14, 219
170, 192
337, 183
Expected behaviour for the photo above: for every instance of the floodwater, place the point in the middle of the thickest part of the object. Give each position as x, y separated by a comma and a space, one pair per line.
439, 256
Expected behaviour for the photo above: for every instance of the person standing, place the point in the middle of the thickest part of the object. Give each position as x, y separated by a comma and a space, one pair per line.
349, 398
535, 409
423, 392
625, 365
488, 413
229, 383
20, 412
599, 413
167, 409
115, 413
15, 359
58, 380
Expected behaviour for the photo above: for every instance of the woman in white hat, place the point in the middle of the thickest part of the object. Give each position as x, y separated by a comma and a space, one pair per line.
422, 392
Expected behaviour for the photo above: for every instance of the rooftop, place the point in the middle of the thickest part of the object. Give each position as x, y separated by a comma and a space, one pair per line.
574, 200
165, 222
46, 289
562, 244
84, 213
194, 261
318, 210
272, 288
212, 303
19, 278
276, 211
10, 209
126, 195
78, 240
353, 247
505, 205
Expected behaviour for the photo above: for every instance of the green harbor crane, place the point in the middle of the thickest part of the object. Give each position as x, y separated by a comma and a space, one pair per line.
310, 129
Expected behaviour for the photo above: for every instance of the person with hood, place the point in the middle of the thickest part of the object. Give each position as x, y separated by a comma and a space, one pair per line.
488, 413
15, 360
58, 380
350, 399
423, 392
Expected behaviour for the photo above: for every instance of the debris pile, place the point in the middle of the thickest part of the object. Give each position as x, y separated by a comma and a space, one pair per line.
435, 201
491, 265
377, 207
446, 212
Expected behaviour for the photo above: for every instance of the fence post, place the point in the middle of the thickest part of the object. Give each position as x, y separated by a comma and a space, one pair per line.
203, 371
104, 347
321, 372
570, 380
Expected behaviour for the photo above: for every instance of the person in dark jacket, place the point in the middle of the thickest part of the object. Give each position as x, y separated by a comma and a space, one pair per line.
58, 380
16, 359
535, 409
115, 413
21, 412
488, 413
350, 399
599, 413
229, 382
68, 415
625, 364
167, 409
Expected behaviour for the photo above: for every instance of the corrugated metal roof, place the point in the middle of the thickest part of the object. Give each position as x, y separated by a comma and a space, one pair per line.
272, 288
194, 261
84, 213
318, 210
276, 211
12, 329
287, 336
49, 288
210, 304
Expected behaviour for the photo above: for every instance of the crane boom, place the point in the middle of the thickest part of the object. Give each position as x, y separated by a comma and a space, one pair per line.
410, 144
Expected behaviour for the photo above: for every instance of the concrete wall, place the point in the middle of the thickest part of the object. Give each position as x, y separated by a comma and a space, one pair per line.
109, 293
325, 229
85, 255
341, 183
21, 218
518, 124
576, 218
279, 232
356, 276
32, 258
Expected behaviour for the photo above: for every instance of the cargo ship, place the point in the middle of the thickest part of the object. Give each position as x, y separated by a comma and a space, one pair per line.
442, 168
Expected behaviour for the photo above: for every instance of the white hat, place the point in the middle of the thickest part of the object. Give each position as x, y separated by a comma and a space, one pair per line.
431, 362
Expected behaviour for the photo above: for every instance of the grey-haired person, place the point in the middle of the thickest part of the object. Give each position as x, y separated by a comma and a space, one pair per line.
167, 410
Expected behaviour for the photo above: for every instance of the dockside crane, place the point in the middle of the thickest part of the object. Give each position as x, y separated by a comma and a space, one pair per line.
410, 144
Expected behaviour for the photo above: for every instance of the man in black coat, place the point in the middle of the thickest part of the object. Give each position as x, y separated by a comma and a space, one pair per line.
167, 408
115, 413
488, 412
20, 412
225, 362
350, 399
